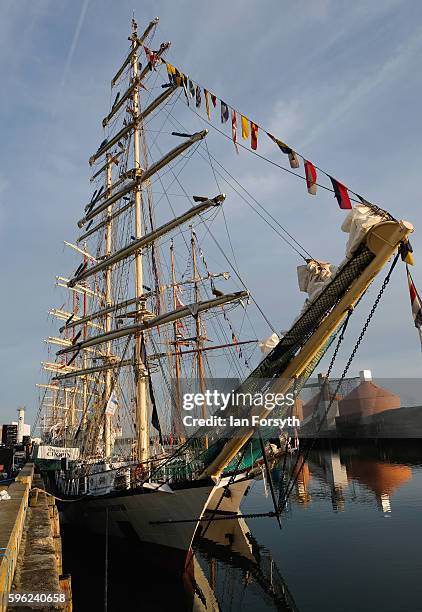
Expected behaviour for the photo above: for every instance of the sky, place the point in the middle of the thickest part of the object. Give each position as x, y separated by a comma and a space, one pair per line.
339, 81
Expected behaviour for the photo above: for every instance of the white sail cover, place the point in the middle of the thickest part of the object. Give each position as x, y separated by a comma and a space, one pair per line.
269, 343
357, 223
314, 276
312, 279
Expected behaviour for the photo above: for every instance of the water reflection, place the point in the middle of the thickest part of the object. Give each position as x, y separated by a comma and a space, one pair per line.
241, 573
228, 570
245, 564
337, 471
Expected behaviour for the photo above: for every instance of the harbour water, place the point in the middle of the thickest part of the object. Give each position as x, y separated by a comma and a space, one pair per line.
350, 540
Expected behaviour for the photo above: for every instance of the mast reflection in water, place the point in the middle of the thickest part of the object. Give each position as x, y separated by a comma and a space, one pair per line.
335, 551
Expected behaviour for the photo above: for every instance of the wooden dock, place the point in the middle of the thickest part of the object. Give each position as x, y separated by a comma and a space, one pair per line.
12, 519
30, 542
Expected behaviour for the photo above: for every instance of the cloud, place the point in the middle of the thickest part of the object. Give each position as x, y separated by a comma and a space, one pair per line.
379, 77
55, 104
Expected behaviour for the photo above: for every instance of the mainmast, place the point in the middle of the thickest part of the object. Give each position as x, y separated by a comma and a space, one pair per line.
198, 328
84, 361
142, 429
108, 302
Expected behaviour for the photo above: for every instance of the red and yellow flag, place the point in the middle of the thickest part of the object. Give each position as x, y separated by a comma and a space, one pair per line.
254, 135
245, 127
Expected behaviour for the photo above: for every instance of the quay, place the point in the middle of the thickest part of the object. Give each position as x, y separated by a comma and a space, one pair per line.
30, 543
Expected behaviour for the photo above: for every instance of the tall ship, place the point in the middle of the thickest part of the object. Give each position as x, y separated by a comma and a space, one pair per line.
148, 320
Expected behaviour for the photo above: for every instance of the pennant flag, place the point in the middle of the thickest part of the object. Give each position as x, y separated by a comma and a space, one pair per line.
178, 301
178, 77
112, 404
171, 70
254, 135
406, 251
245, 127
154, 413
341, 194
416, 305
185, 88
143, 351
214, 100
198, 96
180, 330
409, 259
152, 58
224, 112
234, 126
180, 326
191, 89
235, 342
207, 104
311, 177
293, 158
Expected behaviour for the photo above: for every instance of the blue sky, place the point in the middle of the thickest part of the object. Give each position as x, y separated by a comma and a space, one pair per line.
339, 81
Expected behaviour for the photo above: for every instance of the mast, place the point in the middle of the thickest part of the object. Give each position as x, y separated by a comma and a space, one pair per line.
84, 363
198, 329
142, 433
108, 298
100, 324
177, 362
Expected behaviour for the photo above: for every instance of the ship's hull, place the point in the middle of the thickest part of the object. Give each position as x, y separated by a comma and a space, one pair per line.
151, 518
148, 518
228, 496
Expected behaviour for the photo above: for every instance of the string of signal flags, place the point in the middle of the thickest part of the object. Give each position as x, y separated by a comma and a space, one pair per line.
251, 131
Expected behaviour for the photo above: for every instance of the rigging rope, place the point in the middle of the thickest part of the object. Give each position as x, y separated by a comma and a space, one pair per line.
256, 201
220, 248
270, 325
289, 489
